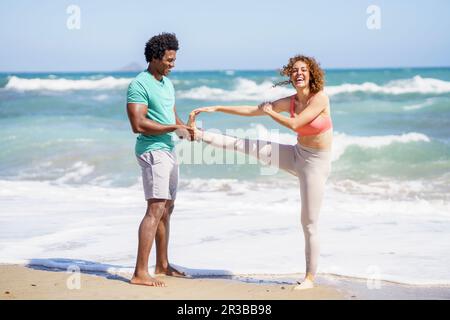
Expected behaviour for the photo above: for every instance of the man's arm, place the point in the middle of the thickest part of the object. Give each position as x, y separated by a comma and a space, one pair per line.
177, 119
141, 124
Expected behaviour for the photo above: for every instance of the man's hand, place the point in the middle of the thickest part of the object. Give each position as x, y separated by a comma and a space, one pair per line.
185, 132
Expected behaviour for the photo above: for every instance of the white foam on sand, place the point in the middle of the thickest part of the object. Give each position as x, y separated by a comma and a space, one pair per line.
216, 231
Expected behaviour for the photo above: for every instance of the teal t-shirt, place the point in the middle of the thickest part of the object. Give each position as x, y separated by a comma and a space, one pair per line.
159, 96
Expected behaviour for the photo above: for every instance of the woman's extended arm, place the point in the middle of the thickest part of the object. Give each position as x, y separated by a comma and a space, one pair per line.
246, 111
280, 105
318, 104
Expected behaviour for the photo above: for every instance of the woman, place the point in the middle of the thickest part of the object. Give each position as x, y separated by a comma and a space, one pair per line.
309, 159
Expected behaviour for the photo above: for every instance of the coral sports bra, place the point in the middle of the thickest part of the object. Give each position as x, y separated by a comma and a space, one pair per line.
318, 125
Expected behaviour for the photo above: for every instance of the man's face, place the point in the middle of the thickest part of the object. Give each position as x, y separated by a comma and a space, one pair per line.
167, 62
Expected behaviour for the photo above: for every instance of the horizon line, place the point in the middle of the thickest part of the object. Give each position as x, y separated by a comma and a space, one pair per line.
231, 69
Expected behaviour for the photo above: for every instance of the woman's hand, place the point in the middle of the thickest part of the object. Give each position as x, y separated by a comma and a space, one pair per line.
265, 107
203, 109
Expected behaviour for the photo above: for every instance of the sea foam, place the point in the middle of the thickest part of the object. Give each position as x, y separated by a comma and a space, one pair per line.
248, 90
243, 89
39, 84
342, 141
416, 84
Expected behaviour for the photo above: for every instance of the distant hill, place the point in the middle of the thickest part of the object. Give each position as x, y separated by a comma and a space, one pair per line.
133, 66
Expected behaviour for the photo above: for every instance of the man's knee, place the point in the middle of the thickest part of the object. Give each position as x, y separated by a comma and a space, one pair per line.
170, 206
156, 207
168, 209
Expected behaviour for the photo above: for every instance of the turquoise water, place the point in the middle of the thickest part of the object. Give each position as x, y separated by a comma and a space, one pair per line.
67, 168
391, 125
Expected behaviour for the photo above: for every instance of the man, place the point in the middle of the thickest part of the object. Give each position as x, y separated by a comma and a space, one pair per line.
152, 114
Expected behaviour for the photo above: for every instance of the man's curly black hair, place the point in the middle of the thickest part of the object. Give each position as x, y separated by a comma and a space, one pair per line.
157, 46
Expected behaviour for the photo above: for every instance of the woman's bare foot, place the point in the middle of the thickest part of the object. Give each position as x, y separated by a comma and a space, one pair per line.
170, 271
191, 123
308, 282
146, 280
191, 120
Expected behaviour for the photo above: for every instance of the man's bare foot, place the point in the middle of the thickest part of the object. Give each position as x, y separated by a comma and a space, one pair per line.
170, 271
147, 280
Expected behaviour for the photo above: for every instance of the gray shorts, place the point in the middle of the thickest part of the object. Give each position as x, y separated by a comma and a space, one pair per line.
159, 174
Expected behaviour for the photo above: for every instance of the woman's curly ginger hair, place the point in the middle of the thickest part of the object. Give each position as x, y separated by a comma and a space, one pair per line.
317, 75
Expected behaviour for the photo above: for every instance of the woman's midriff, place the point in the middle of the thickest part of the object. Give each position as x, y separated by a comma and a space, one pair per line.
321, 141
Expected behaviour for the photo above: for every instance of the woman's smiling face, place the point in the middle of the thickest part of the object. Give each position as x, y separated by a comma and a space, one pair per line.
300, 75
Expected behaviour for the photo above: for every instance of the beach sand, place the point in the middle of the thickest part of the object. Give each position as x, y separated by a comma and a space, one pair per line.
19, 282
32, 282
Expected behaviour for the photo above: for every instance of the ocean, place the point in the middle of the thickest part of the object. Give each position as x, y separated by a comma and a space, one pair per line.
71, 191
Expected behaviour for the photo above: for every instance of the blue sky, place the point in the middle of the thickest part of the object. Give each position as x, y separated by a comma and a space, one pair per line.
231, 34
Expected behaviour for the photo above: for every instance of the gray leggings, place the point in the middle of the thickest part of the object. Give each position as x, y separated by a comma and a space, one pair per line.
311, 166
